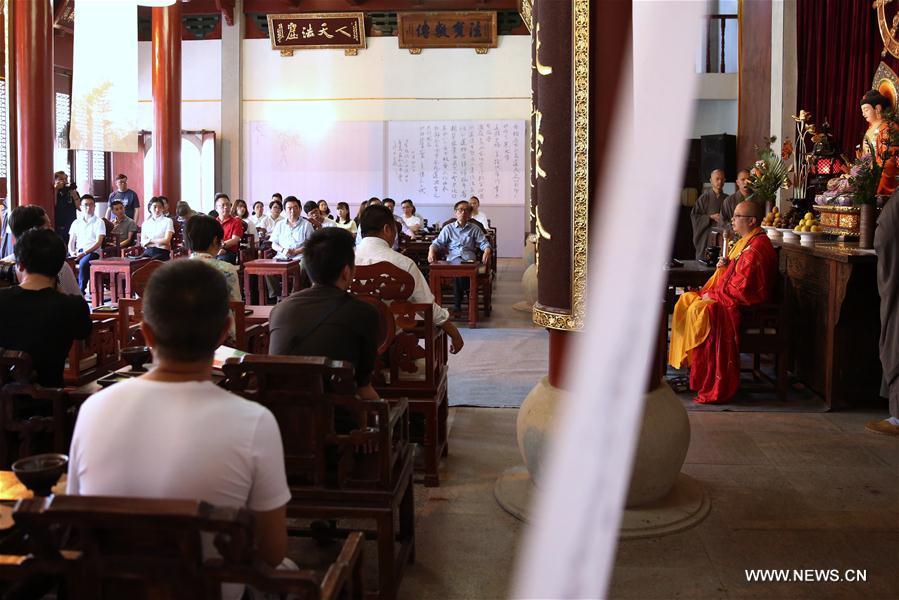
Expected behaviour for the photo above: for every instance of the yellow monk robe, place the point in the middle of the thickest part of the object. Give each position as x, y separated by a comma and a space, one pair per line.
690, 322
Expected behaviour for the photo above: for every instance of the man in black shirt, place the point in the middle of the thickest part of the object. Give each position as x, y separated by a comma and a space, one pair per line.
325, 320
38, 319
67, 203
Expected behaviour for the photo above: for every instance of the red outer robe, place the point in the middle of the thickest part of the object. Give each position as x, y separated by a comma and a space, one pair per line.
748, 279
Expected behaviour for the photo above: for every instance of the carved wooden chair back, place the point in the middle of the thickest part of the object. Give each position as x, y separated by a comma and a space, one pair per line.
130, 315
764, 330
33, 420
153, 549
15, 367
140, 277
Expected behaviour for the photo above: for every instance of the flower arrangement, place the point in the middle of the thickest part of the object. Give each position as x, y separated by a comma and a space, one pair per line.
768, 174
864, 177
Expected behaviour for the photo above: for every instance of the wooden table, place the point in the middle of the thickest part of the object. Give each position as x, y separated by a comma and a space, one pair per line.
118, 269
442, 269
833, 309
259, 314
259, 268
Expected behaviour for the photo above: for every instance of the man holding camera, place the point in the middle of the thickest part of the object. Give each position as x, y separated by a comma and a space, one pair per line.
67, 203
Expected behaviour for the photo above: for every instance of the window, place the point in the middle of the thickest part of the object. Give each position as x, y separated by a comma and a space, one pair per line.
4, 163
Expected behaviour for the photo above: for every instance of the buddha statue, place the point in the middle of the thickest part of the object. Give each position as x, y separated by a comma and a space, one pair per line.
874, 106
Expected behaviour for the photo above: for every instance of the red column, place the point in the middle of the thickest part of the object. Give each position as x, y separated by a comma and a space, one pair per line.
167, 102
35, 102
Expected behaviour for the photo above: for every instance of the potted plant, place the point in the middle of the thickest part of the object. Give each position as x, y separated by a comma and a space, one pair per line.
768, 174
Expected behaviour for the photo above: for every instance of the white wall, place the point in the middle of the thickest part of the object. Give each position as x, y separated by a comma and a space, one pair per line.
715, 116
316, 88
200, 85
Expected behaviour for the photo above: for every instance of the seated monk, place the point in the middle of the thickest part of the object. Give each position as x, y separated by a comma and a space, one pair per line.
706, 324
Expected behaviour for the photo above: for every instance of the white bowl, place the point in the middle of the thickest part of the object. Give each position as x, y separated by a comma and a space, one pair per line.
789, 235
772, 232
807, 238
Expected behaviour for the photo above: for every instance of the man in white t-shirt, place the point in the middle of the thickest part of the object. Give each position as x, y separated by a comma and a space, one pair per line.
157, 232
23, 218
378, 234
172, 433
476, 213
86, 237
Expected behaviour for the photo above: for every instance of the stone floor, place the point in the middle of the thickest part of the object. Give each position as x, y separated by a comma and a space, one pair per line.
788, 491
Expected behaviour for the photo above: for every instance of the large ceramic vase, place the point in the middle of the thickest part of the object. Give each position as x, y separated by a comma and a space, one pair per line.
867, 222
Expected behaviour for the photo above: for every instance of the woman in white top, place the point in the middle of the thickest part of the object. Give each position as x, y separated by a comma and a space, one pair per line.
243, 213
412, 222
258, 216
476, 213
343, 219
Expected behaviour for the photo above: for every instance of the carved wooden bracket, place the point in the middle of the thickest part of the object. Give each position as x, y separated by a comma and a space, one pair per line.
227, 9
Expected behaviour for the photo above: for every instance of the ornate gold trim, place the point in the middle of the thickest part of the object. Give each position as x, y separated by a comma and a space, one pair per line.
556, 320
581, 192
526, 10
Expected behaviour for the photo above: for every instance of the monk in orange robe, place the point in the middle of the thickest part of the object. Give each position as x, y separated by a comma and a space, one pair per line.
706, 324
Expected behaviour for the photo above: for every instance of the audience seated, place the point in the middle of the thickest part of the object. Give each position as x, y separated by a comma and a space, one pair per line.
325, 210
203, 237
460, 241
378, 235
289, 235
275, 207
705, 324
233, 227
172, 433
123, 226
362, 207
313, 214
325, 320
86, 236
343, 219
476, 213
412, 223
30, 216
258, 217
243, 213
157, 232
38, 319
183, 211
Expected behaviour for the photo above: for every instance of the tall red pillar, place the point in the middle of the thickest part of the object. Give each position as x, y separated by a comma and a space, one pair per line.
35, 102
166, 69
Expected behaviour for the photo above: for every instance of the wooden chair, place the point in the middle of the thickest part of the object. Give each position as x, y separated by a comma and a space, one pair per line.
138, 548
33, 420
413, 356
346, 458
140, 277
94, 357
249, 338
15, 367
764, 330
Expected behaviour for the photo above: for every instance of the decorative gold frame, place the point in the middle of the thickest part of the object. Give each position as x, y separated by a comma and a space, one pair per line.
580, 193
418, 44
287, 49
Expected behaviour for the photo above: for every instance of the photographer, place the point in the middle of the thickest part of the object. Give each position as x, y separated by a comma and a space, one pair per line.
67, 203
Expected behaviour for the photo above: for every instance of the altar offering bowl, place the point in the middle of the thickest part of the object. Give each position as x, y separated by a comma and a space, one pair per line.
39, 473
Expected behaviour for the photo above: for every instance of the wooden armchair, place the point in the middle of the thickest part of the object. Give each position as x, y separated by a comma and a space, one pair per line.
141, 276
94, 357
764, 330
33, 420
15, 367
249, 338
138, 548
412, 356
346, 458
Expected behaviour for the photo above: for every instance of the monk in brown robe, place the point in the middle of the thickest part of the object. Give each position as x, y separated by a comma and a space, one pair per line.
729, 206
886, 243
706, 212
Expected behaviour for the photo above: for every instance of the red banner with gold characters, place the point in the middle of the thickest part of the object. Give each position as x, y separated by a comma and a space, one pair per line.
323, 30
473, 29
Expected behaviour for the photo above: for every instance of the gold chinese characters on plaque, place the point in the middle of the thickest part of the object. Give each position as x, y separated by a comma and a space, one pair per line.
338, 31
473, 29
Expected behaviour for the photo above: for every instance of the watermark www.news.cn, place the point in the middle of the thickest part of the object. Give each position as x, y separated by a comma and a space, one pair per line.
806, 575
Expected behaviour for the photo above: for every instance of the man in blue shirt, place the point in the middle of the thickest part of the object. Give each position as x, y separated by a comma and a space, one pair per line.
128, 197
460, 241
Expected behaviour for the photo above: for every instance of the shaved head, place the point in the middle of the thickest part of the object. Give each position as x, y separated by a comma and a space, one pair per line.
749, 207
